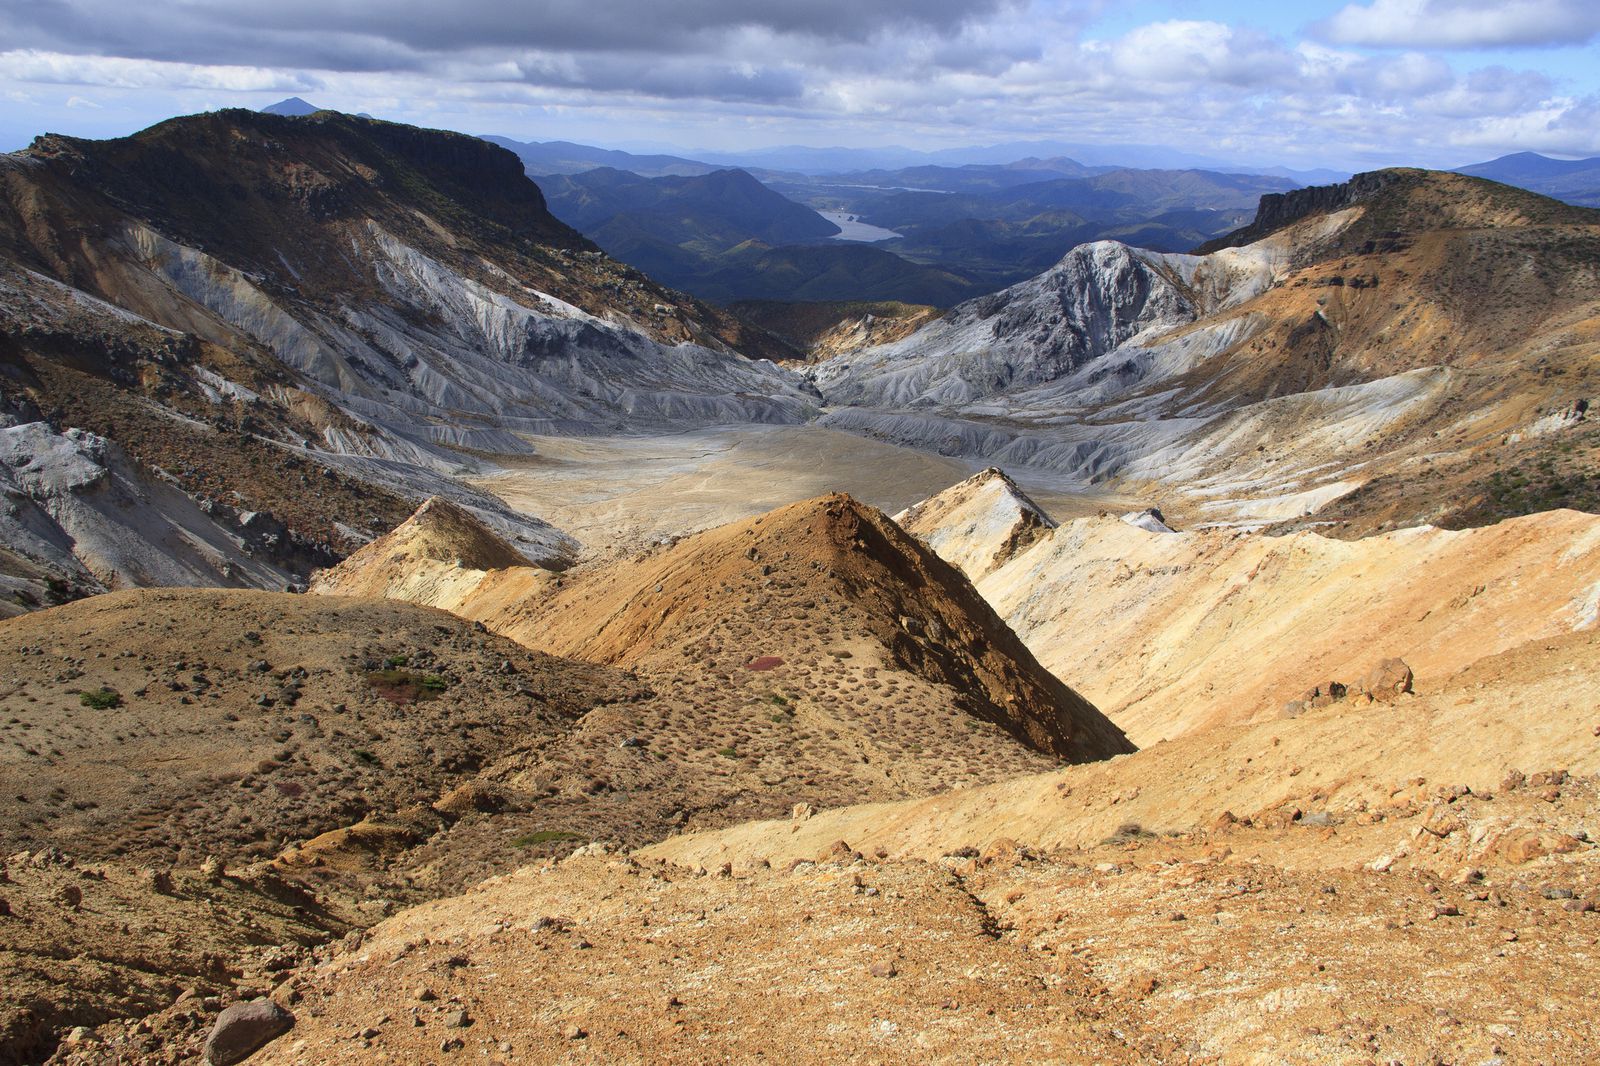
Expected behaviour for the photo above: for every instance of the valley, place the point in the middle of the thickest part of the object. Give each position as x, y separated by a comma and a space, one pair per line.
619, 494
450, 615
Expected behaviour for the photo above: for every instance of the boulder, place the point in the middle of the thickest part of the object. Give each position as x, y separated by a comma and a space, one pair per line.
1387, 681
243, 1028
1442, 820
838, 852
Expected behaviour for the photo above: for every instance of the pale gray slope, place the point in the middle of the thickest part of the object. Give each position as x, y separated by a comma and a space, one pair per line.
79, 513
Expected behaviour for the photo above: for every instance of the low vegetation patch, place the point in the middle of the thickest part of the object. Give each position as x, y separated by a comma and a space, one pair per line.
102, 699
406, 686
543, 836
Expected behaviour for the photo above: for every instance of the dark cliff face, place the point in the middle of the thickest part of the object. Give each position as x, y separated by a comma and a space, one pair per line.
1280, 209
259, 185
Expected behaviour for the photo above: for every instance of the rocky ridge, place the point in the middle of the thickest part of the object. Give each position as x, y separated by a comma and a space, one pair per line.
1377, 344
1157, 626
813, 596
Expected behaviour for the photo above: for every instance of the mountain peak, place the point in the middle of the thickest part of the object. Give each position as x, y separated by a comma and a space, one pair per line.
293, 107
1413, 200
436, 557
814, 585
978, 524
444, 532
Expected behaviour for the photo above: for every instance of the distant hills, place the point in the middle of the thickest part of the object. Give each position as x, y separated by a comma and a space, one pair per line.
1577, 181
750, 226
564, 157
734, 235
293, 107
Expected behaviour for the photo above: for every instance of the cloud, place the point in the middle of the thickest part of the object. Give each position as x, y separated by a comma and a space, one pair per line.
1207, 52
736, 73
58, 68
358, 34
1463, 23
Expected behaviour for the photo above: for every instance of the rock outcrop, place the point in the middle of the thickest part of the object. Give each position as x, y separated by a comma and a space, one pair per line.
979, 524
1097, 298
1096, 594
1280, 210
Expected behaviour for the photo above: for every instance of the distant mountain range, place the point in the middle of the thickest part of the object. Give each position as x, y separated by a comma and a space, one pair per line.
293, 107
1577, 181
564, 157
727, 236
749, 225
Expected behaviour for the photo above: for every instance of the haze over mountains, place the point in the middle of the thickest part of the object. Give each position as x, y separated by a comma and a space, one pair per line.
426, 629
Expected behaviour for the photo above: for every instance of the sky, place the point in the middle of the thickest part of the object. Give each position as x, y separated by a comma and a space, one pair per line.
1346, 84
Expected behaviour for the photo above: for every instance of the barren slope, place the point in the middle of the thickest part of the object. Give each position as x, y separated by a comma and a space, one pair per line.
147, 732
816, 599
1314, 890
1172, 633
1340, 921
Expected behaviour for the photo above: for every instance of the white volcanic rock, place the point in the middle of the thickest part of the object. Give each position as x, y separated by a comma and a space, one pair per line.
1149, 520
1096, 369
978, 524
77, 511
1099, 297
440, 358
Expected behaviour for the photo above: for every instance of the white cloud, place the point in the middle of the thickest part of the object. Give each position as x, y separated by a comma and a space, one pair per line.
1464, 23
59, 68
762, 73
1211, 52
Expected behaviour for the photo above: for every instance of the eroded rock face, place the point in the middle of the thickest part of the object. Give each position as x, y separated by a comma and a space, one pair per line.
81, 518
244, 1028
1278, 210
1097, 298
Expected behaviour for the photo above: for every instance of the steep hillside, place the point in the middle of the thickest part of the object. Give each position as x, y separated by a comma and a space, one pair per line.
236, 225
1154, 626
1400, 332
1386, 760
817, 600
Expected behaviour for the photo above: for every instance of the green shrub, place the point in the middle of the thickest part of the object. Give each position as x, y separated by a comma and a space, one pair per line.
543, 836
405, 686
730, 752
101, 699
